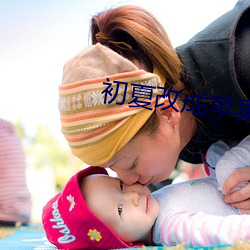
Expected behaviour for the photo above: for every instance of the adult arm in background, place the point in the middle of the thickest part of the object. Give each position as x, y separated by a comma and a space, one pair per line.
15, 198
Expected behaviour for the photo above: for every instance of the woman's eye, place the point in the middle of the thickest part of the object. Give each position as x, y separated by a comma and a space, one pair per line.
121, 186
120, 206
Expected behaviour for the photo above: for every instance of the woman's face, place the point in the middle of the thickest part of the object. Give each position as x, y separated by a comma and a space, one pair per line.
148, 158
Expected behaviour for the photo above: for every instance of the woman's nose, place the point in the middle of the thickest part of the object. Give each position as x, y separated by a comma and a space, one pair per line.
126, 177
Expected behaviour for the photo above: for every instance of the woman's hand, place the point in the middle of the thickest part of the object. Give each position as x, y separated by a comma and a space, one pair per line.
241, 197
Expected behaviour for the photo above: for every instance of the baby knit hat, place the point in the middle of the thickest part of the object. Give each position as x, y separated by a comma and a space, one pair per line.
69, 223
100, 103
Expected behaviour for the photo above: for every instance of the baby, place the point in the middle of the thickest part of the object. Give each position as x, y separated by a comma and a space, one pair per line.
96, 211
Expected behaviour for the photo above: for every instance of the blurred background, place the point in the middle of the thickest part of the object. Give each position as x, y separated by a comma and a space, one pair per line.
36, 39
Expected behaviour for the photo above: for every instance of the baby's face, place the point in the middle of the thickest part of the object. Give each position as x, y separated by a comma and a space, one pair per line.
130, 211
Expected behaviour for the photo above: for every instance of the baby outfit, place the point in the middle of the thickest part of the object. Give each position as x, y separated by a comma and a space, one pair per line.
194, 212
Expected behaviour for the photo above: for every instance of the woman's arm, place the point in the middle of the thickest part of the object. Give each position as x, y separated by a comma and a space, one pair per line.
240, 198
233, 174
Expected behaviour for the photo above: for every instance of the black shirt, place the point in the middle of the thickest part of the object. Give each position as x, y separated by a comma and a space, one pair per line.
217, 64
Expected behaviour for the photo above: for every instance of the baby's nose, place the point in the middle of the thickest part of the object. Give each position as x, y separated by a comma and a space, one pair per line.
133, 198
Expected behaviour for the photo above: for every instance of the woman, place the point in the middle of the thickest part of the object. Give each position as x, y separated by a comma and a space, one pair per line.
208, 76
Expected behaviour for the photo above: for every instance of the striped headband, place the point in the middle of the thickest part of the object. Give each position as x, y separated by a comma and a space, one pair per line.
95, 101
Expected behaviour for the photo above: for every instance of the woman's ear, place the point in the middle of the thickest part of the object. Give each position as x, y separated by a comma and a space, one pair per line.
168, 110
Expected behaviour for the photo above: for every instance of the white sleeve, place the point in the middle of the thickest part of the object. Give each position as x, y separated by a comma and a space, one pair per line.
237, 157
214, 153
201, 229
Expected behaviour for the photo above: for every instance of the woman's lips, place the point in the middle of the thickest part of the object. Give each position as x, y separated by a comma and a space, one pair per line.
148, 183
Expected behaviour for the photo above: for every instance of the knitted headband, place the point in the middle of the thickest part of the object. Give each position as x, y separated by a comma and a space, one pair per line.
96, 130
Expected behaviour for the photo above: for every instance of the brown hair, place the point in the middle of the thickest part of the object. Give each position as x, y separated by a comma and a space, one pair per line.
136, 34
